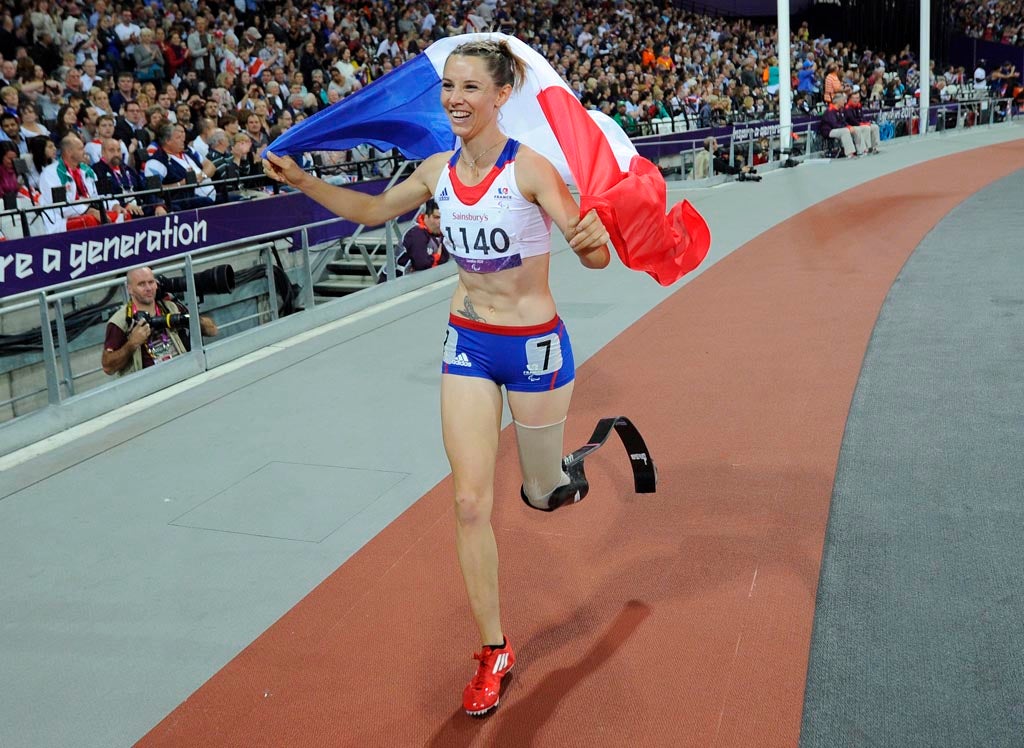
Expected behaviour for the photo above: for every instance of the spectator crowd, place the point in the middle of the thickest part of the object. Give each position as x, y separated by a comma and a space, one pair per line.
992, 20
191, 92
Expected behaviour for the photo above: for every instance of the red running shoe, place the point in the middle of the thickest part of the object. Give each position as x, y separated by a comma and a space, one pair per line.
481, 695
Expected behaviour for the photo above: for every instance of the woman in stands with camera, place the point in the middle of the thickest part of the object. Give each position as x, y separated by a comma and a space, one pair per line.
503, 327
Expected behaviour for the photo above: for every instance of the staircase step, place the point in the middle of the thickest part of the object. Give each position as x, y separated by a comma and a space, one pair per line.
352, 266
343, 285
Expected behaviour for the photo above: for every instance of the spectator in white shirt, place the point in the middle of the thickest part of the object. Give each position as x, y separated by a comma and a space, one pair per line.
128, 32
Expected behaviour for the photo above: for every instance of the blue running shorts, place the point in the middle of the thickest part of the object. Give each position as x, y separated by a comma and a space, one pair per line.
535, 358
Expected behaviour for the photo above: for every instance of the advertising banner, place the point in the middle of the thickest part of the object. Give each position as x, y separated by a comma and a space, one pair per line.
38, 262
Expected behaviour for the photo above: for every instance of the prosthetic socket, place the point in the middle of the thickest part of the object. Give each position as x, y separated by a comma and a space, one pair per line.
549, 482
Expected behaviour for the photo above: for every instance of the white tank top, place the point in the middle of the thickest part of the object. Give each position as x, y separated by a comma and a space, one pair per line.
490, 226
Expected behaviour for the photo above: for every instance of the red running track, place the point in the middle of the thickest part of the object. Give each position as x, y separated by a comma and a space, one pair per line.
681, 618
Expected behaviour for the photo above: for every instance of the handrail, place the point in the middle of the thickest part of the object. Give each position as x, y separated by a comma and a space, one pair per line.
227, 183
279, 234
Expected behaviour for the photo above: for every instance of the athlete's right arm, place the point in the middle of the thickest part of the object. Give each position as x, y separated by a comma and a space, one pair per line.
359, 207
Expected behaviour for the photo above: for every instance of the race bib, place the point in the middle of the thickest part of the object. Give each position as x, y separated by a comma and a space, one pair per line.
451, 345
478, 241
543, 354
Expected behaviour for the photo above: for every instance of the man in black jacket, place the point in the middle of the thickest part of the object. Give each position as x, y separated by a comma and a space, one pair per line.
865, 133
116, 178
422, 247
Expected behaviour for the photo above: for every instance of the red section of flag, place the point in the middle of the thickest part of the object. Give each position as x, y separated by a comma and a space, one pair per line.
631, 204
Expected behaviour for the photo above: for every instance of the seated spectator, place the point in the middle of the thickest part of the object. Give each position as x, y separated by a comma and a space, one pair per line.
111, 53
176, 167
73, 83
132, 343
100, 101
865, 133
941, 92
30, 125
9, 184
807, 81
285, 119
115, 177
893, 93
229, 123
67, 122
243, 162
422, 247
104, 130
130, 128
42, 152
46, 51
156, 118
84, 44
128, 34
125, 91
10, 131
834, 125
200, 145
149, 58
73, 181
176, 54
203, 48
50, 102
260, 136
626, 121
90, 74
44, 20
9, 100
219, 154
183, 117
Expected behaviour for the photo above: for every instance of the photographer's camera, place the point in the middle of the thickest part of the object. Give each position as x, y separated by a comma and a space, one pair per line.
160, 322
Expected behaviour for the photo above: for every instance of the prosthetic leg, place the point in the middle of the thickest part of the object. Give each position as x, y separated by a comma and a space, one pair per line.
572, 486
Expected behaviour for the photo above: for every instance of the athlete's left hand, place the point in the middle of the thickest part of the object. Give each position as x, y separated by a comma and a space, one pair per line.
588, 238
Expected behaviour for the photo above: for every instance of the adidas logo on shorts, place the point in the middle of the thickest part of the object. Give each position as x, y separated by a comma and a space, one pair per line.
460, 360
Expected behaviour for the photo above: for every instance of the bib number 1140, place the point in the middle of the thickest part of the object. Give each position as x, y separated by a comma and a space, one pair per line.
495, 240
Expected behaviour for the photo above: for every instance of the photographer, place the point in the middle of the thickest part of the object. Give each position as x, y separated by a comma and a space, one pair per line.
721, 165
136, 339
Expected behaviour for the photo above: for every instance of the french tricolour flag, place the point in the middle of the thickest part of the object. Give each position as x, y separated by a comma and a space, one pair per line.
403, 110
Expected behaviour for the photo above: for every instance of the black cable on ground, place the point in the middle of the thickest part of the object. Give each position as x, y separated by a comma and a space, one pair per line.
75, 324
82, 319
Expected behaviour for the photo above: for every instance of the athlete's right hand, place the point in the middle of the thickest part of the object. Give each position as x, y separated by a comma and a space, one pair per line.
283, 169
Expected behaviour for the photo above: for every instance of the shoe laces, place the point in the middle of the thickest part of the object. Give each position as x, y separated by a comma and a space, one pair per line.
484, 654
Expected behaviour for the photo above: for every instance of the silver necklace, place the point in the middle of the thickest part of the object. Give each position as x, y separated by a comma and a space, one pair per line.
472, 162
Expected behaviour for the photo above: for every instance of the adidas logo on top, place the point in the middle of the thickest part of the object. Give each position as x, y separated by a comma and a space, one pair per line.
443, 195
460, 360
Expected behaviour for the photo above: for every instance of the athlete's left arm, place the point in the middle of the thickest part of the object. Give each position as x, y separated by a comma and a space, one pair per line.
540, 183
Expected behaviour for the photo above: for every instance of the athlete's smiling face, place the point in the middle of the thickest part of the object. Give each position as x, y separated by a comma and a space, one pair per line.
470, 96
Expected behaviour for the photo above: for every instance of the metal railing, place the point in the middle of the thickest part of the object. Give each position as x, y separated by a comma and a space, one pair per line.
808, 143
30, 217
61, 382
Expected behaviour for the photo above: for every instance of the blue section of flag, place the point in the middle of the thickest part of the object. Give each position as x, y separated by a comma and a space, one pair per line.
399, 110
